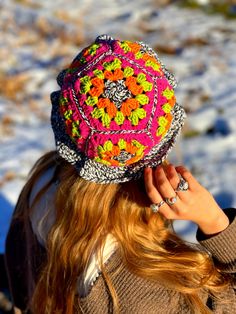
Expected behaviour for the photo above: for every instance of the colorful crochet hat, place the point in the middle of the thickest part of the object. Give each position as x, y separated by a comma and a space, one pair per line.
116, 111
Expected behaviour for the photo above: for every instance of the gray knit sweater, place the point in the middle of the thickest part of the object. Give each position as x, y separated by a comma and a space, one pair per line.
139, 296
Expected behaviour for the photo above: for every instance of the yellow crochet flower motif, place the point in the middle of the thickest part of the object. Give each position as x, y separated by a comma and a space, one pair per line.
150, 61
120, 154
72, 125
164, 122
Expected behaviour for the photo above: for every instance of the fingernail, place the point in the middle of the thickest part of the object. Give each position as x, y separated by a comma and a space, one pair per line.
165, 162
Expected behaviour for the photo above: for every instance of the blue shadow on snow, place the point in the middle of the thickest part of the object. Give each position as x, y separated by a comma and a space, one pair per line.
6, 210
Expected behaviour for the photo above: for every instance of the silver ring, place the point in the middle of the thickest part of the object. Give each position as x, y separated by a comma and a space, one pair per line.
155, 207
183, 185
172, 200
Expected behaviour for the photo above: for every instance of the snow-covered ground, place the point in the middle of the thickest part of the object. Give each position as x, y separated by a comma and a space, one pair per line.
39, 39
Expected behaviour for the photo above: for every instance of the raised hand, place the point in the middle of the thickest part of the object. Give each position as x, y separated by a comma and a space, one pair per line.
195, 203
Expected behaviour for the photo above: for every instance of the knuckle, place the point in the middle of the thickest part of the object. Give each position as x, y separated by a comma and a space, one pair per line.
185, 173
149, 190
183, 211
167, 215
171, 169
152, 195
174, 181
171, 175
160, 180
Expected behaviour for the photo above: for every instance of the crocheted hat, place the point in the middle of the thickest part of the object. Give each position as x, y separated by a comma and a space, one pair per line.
116, 111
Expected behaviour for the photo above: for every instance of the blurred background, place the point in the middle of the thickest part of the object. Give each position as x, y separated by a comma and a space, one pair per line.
195, 39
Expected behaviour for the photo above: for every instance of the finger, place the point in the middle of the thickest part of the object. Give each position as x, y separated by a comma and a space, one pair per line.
168, 212
162, 183
150, 187
148, 180
186, 174
168, 193
174, 179
172, 176
154, 195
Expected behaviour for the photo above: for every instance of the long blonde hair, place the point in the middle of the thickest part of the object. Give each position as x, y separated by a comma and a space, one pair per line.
86, 213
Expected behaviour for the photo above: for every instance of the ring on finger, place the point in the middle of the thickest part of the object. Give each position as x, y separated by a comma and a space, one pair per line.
183, 185
172, 200
155, 207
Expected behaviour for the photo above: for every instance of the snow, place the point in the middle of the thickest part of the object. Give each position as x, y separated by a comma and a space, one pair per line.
39, 39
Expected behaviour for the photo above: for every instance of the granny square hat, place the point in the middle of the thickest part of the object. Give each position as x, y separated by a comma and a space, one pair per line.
116, 111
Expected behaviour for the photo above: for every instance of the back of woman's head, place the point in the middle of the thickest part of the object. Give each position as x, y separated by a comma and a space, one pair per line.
114, 115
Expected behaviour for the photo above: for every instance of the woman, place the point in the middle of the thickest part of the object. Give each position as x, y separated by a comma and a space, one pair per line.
97, 212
